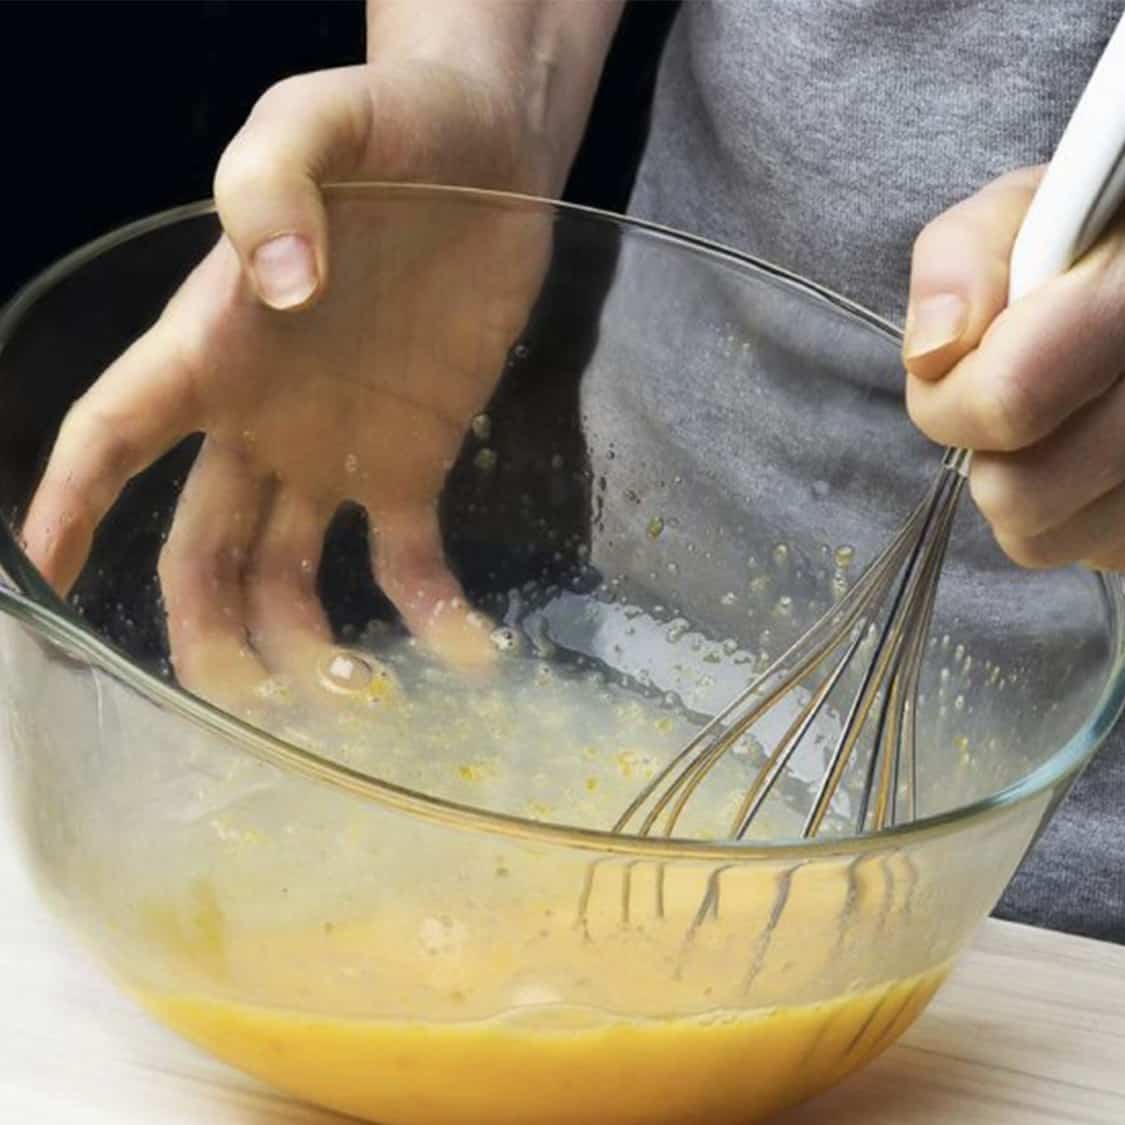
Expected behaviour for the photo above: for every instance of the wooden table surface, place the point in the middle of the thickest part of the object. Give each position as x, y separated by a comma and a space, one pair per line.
1030, 1030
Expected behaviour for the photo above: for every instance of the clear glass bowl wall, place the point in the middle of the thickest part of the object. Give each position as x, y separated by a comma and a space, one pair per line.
665, 437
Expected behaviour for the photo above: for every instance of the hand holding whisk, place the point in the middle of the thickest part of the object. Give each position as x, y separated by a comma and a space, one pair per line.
886, 616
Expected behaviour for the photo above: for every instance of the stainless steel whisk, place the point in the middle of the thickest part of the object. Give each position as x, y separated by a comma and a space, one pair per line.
1081, 190
910, 565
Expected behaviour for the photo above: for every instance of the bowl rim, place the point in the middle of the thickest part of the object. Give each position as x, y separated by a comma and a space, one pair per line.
26, 596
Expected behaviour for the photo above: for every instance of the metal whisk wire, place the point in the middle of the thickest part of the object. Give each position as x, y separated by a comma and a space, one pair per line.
914, 557
1082, 189
920, 544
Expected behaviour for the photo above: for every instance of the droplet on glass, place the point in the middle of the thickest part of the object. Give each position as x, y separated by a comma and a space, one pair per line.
485, 460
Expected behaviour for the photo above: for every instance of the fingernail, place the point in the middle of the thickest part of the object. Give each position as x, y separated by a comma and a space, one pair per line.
934, 323
285, 271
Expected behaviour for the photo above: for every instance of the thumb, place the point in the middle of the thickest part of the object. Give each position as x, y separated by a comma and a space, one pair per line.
959, 273
302, 132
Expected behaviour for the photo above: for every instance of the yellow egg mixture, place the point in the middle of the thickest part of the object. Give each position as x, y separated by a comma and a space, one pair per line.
727, 1067
537, 1062
499, 1017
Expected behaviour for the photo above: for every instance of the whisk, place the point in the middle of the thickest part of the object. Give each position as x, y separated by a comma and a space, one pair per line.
893, 601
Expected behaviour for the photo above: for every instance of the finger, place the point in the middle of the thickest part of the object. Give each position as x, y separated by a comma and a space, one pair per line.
1025, 494
201, 573
287, 622
409, 563
1095, 535
1041, 361
302, 132
959, 273
140, 407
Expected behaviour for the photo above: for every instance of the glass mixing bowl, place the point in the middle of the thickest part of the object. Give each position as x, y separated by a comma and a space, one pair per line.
661, 460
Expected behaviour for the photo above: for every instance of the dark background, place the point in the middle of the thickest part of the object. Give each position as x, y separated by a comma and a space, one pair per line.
114, 109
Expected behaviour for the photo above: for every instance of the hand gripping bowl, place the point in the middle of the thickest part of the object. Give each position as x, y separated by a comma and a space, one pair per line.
372, 900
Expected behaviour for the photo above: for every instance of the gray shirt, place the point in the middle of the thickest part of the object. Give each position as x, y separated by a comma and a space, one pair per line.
821, 135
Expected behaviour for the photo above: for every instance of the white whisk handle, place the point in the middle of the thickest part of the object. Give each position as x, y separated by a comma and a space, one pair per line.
1084, 184
1081, 191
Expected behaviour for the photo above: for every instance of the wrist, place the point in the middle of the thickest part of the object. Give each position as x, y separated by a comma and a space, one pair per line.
521, 76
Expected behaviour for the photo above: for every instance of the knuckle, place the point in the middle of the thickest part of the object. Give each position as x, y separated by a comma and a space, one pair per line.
1033, 552
227, 169
1018, 184
1005, 500
76, 421
1010, 414
280, 574
931, 415
99, 439
117, 455
917, 409
281, 95
931, 237
245, 163
191, 574
955, 227
252, 156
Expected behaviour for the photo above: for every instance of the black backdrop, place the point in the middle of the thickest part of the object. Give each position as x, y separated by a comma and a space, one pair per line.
115, 109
